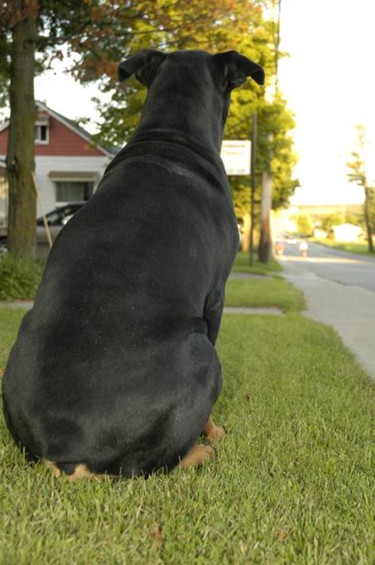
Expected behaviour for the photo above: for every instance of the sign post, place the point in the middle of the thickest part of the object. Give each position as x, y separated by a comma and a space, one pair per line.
239, 159
236, 157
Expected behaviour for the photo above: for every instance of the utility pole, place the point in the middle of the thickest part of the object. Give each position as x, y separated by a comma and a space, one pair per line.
265, 242
277, 39
252, 187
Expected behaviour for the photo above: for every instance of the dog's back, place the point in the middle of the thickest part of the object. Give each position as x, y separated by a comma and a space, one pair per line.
115, 366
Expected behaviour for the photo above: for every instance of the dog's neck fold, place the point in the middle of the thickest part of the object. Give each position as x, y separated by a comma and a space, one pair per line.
198, 119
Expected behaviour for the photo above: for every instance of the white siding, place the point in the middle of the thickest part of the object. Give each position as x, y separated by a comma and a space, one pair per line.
46, 165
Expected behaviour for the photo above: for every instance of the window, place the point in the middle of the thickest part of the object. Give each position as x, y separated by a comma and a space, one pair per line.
41, 133
72, 191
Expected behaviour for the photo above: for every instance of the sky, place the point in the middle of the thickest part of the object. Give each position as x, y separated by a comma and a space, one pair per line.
327, 79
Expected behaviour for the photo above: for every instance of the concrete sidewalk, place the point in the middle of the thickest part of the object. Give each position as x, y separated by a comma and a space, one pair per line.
349, 310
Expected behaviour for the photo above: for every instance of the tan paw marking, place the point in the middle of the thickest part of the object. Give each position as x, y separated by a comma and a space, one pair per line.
197, 456
80, 472
212, 431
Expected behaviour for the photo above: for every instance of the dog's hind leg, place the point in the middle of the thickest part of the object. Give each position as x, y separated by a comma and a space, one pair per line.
212, 431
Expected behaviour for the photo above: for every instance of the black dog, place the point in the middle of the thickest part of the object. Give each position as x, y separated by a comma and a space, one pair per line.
114, 370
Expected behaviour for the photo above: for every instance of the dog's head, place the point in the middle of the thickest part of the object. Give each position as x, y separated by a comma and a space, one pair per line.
230, 68
189, 91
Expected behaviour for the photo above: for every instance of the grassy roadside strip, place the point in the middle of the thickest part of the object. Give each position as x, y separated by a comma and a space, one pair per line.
354, 247
270, 290
241, 265
264, 292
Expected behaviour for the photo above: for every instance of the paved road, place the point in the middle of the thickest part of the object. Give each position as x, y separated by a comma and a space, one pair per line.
340, 292
334, 265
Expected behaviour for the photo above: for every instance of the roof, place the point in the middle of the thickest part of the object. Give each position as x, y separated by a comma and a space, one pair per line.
76, 128
347, 226
43, 108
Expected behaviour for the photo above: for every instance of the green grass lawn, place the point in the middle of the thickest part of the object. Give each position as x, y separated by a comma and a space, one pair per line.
293, 481
355, 247
264, 292
241, 265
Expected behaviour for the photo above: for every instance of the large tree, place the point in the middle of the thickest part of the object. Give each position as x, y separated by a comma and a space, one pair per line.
29, 27
357, 167
22, 18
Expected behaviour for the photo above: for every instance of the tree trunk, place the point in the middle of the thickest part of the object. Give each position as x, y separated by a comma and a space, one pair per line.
368, 220
20, 156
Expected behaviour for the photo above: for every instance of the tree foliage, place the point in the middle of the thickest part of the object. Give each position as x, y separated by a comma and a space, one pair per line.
213, 25
329, 221
357, 174
274, 150
305, 225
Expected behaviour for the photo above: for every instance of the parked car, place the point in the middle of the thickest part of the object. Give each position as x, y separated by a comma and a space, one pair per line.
56, 220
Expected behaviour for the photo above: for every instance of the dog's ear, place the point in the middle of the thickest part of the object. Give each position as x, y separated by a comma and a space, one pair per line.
144, 64
239, 68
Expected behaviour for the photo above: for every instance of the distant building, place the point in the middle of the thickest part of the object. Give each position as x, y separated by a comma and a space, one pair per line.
68, 165
346, 232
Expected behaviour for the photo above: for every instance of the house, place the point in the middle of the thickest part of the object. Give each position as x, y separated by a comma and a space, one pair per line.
68, 165
346, 232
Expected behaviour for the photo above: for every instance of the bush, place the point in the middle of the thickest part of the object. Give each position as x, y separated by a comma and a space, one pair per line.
19, 279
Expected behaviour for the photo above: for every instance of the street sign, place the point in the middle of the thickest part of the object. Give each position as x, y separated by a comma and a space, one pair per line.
236, 156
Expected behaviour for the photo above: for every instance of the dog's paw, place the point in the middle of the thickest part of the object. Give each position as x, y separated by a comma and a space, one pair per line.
197, 456
212, 431
215, 433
